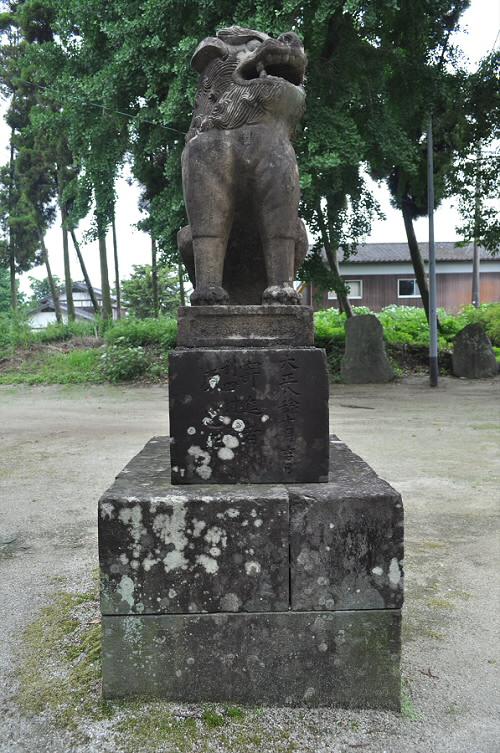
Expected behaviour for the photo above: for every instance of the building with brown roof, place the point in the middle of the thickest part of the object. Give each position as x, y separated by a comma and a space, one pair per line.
381, 274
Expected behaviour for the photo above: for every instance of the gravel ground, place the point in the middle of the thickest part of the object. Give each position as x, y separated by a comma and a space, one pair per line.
61, 446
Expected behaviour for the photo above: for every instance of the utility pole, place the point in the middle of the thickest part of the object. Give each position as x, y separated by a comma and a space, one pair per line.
476, 275
433, 334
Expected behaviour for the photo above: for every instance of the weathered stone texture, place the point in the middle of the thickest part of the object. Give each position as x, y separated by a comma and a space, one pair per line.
346, 539
286, 659
255, 415
245, 326
165, 550
473, 357
365, 360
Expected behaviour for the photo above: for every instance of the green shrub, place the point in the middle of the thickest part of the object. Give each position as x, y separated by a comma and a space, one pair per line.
121, 363
140, 332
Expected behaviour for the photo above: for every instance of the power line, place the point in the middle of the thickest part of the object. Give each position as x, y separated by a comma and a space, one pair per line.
98, 105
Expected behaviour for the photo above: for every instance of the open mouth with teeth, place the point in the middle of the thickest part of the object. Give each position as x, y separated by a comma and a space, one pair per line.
276, 59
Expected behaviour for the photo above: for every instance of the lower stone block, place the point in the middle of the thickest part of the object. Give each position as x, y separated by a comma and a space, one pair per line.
280, 658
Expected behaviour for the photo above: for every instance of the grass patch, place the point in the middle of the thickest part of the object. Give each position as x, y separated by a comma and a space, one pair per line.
408, 710
74, 367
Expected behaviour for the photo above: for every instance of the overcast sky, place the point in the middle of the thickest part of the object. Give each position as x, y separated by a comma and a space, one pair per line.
480, 25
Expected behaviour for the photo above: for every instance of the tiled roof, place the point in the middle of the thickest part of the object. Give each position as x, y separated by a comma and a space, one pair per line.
398, 252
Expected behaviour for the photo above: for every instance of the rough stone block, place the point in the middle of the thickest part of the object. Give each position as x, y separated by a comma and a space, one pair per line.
255, 415
199, 549
279, 658
473, 357
365, 360
346, 539
245, 326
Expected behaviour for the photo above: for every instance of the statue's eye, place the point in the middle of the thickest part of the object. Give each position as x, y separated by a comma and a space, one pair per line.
253, 44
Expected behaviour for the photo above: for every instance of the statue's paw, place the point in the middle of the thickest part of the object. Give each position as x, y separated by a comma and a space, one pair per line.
211, 295
281, 295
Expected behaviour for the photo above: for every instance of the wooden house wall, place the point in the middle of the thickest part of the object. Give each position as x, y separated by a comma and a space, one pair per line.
454, 290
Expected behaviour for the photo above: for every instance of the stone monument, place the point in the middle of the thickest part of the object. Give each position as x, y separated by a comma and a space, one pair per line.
250, 558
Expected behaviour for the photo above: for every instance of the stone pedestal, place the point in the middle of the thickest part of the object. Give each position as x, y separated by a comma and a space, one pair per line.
283, 594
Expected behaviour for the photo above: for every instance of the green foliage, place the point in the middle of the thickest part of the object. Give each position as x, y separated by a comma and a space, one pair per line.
138, 291
40, 289
121, 362
488, 314
132, 332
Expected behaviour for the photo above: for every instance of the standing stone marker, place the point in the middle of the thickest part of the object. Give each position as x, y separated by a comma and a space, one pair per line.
473, 357
365, 360
250, 558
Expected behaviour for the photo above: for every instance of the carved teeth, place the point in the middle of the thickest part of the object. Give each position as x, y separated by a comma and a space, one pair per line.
261, 70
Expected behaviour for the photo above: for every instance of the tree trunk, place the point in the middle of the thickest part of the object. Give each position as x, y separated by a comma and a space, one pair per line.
331, 255
117, 274
107, 309
86, 277
12, 255
154, 278
182, 292
416, 257
53, 287
68, 284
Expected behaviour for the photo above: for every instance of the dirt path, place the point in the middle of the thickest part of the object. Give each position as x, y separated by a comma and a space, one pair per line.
62, 446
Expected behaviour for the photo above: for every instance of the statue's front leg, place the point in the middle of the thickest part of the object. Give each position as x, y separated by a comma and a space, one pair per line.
209, 196
277, 202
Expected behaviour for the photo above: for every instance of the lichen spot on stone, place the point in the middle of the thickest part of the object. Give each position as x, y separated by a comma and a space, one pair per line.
225, 453
394, 572
377, 570
225, 420
198, 526
214, 381
238, 425
323, 647
228, 440
172, 593
126, 590
257, 522
204, 472
107, 510
252, 567
209, 564
230, 602
264, 418
309, 694
191, 430
231, 512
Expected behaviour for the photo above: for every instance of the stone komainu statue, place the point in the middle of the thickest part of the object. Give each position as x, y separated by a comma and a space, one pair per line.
245, 240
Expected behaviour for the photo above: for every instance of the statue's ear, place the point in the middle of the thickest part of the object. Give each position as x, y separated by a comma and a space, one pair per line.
208, 50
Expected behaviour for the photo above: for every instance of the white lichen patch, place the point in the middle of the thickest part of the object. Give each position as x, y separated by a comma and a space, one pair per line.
258, 522
228, 440
170, 528
394, 572
209, 564
148, 563
377, 570
191, 430
225, 420
238, 425
252, 567
215, 536
225, 453
125, 589
204, 472
214, 381
231, 512
172, 593
230, 603
264, 418
107, 510
198, 526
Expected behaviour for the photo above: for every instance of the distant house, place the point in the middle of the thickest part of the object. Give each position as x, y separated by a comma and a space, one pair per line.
84, 311
381, 274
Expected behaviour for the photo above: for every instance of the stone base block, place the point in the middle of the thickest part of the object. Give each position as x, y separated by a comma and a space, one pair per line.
256, 415
245, 326
277, 658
